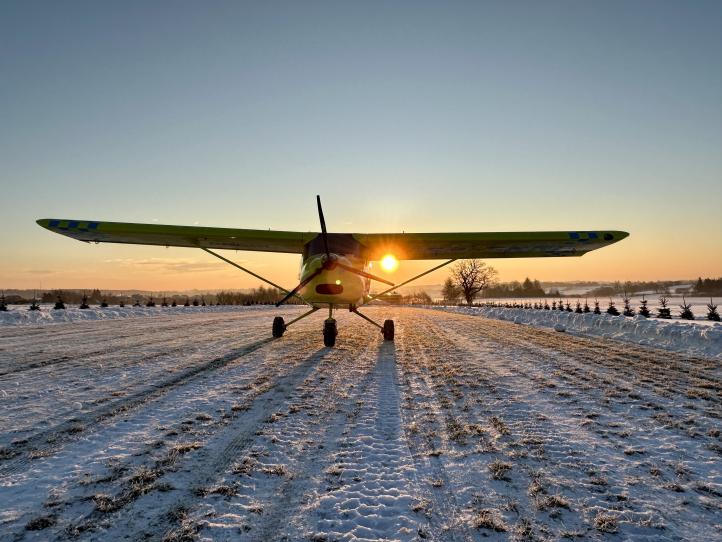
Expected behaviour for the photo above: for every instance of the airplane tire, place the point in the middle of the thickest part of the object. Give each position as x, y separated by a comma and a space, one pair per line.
388, 330
329, 333
279, 326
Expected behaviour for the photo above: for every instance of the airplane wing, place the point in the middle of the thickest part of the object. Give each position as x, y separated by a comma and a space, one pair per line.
179, 236
404, 246
434, 246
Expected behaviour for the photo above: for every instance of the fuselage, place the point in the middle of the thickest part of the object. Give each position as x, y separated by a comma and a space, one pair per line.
334, 286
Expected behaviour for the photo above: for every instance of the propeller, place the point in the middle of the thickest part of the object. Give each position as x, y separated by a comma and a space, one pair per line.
324, 233
301, 284
330, 262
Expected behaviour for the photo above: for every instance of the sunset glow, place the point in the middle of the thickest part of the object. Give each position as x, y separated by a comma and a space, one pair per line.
431, 128
389, 263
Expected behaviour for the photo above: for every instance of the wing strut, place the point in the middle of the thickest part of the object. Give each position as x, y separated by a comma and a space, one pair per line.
259, 277
376, 296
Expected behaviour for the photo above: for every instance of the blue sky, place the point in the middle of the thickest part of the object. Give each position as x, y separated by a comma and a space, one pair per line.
421, 116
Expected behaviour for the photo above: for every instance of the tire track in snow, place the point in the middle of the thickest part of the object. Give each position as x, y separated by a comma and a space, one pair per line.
439, 503
85, 384
587, 369
378, 476
80, 332
49, 441
332, 407
142, 443
221, 449
535, 417
59, 349
623, 358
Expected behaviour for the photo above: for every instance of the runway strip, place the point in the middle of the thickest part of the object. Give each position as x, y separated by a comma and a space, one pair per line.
462, 429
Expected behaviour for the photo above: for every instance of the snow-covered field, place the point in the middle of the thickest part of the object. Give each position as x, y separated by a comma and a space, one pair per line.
691, 337
20, 315
198, 425
698, 304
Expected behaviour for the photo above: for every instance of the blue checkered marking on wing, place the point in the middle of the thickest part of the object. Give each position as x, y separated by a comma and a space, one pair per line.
584, 236
74, 225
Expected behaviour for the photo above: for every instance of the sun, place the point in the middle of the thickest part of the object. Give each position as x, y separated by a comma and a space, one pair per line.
389, 263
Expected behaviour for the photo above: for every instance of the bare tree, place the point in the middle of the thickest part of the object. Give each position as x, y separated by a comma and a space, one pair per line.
472, 277
450, 291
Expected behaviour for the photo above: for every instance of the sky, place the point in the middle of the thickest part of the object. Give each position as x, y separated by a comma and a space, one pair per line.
413, 116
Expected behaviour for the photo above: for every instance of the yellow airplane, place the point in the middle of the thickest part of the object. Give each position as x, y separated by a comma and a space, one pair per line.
335, 267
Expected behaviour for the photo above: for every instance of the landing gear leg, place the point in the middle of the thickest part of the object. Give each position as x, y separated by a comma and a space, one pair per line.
387, 329
279, 326
329, 329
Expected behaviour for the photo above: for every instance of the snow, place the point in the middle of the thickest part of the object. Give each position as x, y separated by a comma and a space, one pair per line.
199, 425
693, 337
674, 302
20, 315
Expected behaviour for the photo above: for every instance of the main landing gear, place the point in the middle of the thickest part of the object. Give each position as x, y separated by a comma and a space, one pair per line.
388, 330
279, 327
329, 332
330, 329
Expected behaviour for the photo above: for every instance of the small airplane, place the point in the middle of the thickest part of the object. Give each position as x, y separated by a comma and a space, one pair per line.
336, 267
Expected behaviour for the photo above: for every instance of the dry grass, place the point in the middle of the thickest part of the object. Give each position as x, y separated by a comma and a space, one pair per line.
40, 523
535, 488
606, 523
553, 501
274, 417
139, 483
422, 505
524, 530
673, 486
334, 470
225, 490
6, 453
186, 532
75, 429
489, 519
104, 503
186, 447
245, 467
457, 433
275, 470
499, 425
499, 469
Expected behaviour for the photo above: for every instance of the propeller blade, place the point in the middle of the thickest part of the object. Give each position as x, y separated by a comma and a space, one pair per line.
363, 273
324, 234
301, 284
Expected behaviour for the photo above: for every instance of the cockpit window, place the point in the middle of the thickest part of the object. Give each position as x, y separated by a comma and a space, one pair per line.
338, 243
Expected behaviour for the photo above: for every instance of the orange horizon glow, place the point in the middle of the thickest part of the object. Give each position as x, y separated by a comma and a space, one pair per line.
178, 269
